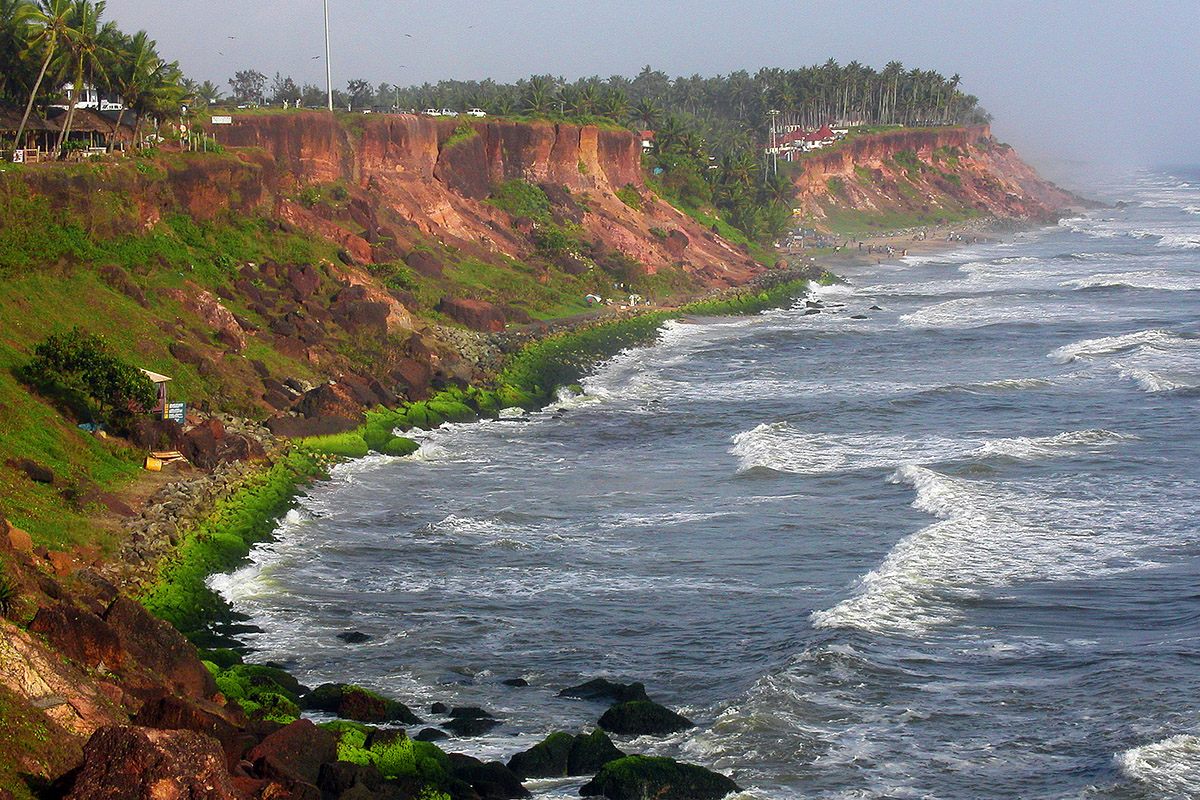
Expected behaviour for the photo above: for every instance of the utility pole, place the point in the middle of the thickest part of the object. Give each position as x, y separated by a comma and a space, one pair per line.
328, 68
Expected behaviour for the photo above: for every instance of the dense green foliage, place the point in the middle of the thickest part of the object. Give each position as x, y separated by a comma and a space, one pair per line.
78, 372
49, 43
723, 107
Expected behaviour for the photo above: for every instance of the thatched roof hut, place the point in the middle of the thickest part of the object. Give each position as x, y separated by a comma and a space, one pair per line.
39, 133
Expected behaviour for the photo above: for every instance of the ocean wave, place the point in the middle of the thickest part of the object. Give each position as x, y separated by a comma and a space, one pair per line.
783, 448
1179, 241
987, 535
1161, 280
1107, 345
976, 312
1170, 767
1026, 448
1150, 381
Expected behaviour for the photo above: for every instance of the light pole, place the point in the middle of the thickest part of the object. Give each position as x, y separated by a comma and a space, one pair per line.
328, 69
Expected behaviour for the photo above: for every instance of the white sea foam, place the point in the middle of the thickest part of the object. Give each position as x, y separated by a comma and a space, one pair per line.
1161, 280
781, 447
987, 535
1181, 241
1170, 767
1092, 348
975, 312
1150, 381
1027, 448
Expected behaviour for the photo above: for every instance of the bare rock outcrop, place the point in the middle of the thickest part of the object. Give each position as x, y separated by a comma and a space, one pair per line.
124, 762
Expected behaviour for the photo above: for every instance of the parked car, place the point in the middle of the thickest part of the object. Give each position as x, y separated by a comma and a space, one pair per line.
476, 112
433, 112
448, 112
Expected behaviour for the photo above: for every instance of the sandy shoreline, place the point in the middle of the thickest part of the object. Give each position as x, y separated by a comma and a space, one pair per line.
929, 240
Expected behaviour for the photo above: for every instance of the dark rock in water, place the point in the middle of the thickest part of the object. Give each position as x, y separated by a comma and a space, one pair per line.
813, 304
354, 637
491, 780
122, 762
591, 752
561, 755
603, 690
326, 697
465, 727
635, 777
858, 316
518, 683
469, 712
641, 718
431, 735
546, 759
439, 708
874, 308
808, 312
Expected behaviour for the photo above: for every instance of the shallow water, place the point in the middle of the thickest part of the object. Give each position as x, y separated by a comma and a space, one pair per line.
947, 551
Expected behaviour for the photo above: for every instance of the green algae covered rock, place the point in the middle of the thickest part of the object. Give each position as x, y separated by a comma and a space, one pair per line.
636, 777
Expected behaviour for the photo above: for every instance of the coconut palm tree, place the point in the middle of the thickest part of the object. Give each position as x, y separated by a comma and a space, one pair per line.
14, 33
89, 46
645, 112
613, 104
51, 19
208, 93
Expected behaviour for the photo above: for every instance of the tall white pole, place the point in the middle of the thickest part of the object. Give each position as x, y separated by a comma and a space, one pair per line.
328, 68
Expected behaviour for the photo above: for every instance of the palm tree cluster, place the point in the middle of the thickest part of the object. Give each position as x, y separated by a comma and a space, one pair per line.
45, 44
729, 110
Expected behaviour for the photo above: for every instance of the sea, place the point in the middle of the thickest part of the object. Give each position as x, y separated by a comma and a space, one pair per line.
930, 533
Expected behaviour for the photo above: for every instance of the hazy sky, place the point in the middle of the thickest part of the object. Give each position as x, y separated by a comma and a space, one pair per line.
1107, 80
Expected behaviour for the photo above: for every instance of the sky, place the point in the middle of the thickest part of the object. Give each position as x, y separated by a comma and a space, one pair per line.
1109, 82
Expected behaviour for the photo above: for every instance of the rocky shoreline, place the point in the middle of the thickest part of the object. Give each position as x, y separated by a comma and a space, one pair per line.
125, 694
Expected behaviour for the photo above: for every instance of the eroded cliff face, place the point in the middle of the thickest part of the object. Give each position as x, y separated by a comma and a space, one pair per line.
946, 173
416, 177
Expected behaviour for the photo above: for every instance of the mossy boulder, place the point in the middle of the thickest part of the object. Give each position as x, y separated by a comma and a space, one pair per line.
452, 410
420, 415
400, 446
643, 718
270, 707
270, 678
357, 703
636, 777
561, 755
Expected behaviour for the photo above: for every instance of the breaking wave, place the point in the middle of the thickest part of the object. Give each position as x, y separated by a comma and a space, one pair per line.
1170, 767
1107, 345
783, 448
987, 535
